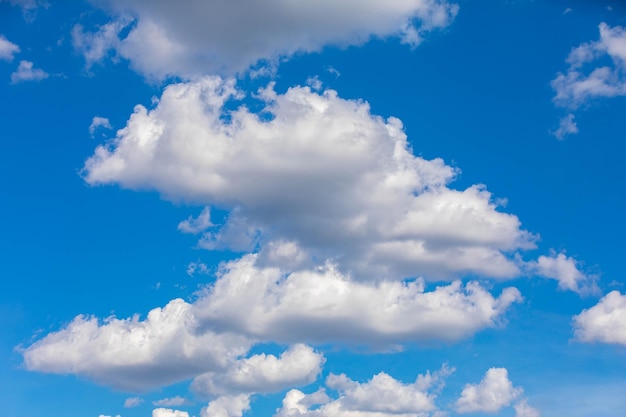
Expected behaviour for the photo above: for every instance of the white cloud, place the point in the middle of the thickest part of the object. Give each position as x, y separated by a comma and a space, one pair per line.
605, 322
132, 402
565, 270
251, 303
98, 122
26, 72
196, 225
323, 305
7, 49
323, 172
227, 406
522, 409
567, 126
493, 393
170, 402
299, 365
134, 354
166, 412
382, 396
583, 81
166, 39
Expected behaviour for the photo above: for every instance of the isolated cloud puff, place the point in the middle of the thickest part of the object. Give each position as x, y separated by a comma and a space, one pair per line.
323, 305
566, 271
494, 392
166, 39
134, 354
7, 49
299, 365
605, 322
317, 170
26, 72
382, 396
586, 79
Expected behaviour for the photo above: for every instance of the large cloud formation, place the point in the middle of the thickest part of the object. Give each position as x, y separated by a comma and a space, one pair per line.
248, 304
162, 38
323, 305
316, 170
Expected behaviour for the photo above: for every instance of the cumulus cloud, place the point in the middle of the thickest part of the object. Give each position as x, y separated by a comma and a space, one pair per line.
322, 172
299, 365
249, 303
605, 322
166, 39
99, 122
567, 126
26, 72
382, 396
7, 49
566, 271
227, 406
132, 402
323, 305
494, 392
166, 412
586, 79
134, 354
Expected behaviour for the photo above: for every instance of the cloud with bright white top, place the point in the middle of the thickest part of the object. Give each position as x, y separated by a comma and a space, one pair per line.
322, 172
381, 396
262, 373
494, 392
605, 322
163, 39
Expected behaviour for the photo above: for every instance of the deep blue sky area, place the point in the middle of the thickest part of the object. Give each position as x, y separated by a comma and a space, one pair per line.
478, 92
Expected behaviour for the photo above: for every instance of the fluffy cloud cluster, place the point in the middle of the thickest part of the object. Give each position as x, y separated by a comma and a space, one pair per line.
323, 305
251, 303
316, 170
493, 393
605, 322
162, 38
382, 396
584, 81
136, 354
299, 365
490, 395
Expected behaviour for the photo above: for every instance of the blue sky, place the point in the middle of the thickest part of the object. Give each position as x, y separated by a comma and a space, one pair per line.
356, 209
